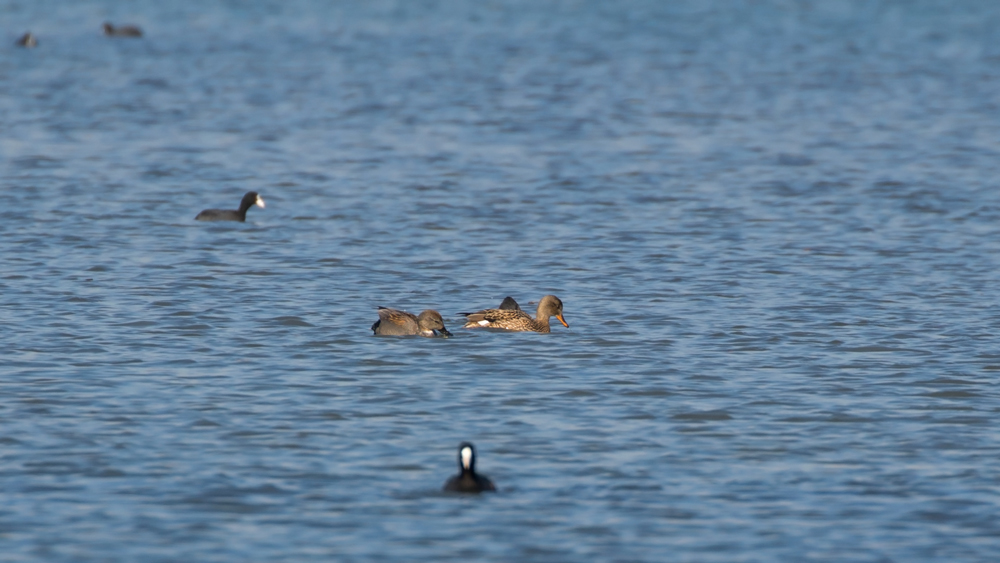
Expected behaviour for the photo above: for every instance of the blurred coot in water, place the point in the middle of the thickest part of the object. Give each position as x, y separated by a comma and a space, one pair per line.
122, 31
467, 480
249, 200
392, 322
28, 40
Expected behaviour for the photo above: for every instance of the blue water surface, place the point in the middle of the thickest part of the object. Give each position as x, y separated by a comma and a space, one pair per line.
773, 224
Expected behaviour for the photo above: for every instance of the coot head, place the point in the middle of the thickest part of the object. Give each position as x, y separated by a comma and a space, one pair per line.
467, 457
251, 199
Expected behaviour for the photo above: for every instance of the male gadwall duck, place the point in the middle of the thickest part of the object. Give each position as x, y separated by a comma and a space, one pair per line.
28, 40
121, 31
516, 319
249, 200
400, 323
467, 480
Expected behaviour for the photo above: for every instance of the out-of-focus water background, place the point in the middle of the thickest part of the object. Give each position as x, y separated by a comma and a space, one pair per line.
775, 226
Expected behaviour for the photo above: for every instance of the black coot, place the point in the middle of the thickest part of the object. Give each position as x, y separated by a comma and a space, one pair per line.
468, 481
249, 200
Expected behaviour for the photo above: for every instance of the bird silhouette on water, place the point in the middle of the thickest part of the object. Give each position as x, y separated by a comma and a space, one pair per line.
467, 480
249, 200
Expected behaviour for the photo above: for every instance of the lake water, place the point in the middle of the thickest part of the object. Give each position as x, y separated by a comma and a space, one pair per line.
775, 227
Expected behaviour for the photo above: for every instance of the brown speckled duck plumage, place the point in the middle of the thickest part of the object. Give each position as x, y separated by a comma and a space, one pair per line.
516, 319
392, 322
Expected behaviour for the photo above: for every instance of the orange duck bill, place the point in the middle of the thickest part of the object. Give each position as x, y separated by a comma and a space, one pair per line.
562, 320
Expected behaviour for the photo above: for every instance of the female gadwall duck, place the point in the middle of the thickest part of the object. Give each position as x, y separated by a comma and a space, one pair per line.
400, 323
468, 481
516, 319
28, 40
122, 31
249, 200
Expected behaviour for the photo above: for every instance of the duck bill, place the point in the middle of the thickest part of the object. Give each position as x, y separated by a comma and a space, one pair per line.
562, 320
444, 332
260, 202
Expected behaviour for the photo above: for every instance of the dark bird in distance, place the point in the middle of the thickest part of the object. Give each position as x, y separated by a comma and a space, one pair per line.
249, 200
28, 40
121, 31
467, 480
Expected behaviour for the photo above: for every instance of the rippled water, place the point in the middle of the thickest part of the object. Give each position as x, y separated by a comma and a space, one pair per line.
774, 226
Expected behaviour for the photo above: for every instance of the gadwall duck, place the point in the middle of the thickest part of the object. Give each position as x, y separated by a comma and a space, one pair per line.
467, 480
249, 200
28, 40
400, 323
122, 31
516, 319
